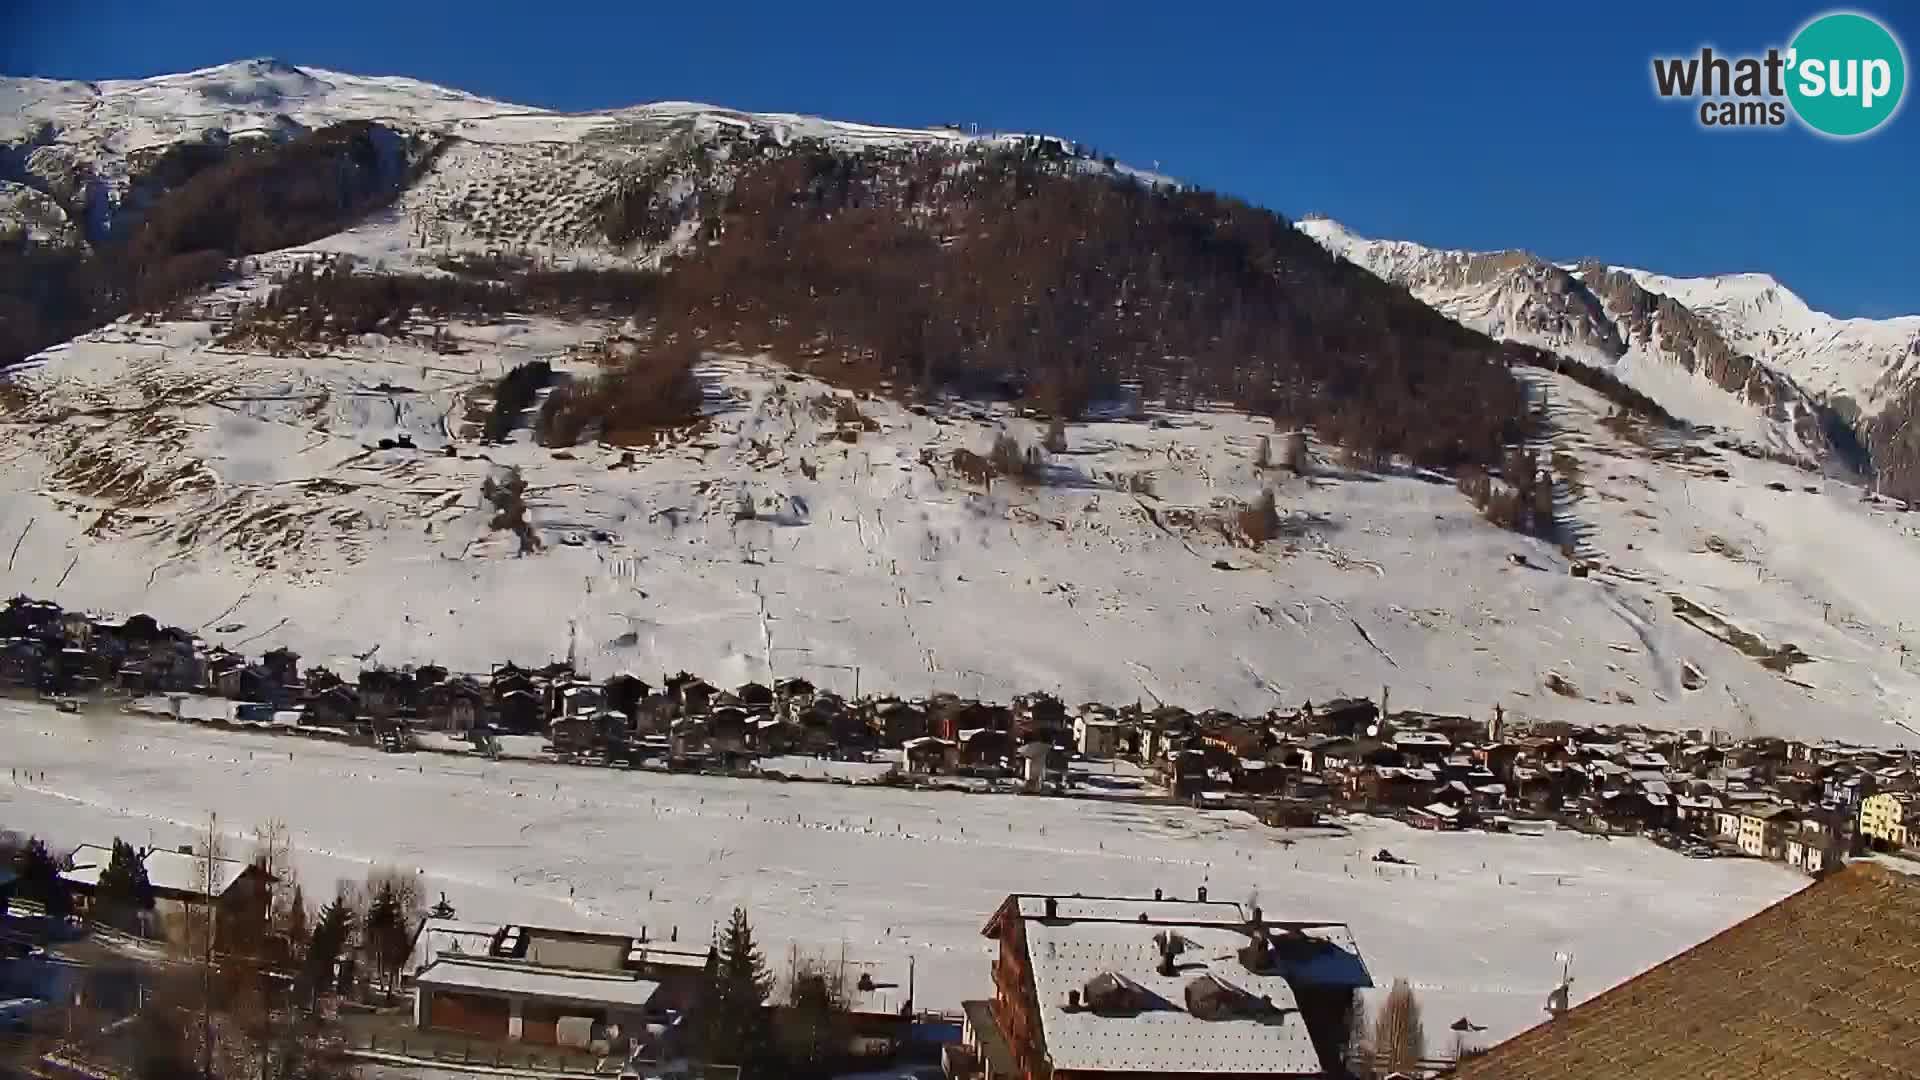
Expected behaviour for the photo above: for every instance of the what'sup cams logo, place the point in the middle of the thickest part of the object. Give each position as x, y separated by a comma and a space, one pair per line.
1842, 76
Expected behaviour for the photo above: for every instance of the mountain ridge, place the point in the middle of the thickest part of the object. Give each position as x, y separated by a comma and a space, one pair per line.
1779, 373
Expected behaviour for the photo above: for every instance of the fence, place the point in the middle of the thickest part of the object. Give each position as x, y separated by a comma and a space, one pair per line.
423, 1048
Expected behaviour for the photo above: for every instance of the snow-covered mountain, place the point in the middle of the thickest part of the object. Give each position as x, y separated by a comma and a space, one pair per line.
333, 498
1700, 366
513, 175
1855, 366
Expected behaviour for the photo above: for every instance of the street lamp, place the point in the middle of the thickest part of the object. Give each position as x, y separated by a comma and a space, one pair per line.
1904, 726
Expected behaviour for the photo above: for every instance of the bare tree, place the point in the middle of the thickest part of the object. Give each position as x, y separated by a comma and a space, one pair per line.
212, 857
813, 1033
1399, 1038
1056, 441
1359, 1054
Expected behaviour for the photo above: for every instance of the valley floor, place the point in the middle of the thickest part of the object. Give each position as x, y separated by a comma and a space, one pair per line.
1475, 923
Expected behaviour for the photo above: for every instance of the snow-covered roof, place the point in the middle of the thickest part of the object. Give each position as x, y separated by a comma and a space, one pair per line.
167, 870
1220, 912
1162, 1037
180, 872
658, 954
521, 979
441, 937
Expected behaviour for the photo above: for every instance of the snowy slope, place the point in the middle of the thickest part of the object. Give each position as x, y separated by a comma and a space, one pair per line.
118, 116
516, 176
244, 495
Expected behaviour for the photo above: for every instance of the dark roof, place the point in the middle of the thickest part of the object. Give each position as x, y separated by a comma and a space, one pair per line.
1824, 984
993, 1044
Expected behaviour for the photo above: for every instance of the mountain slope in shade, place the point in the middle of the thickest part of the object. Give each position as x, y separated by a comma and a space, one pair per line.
1598, 316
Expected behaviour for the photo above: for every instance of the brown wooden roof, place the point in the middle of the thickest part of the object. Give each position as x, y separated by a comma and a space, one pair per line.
1825, 984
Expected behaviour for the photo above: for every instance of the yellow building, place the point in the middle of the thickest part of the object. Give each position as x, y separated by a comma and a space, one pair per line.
1884, 819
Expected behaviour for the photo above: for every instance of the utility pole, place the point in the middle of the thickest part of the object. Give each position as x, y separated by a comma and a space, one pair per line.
206, 970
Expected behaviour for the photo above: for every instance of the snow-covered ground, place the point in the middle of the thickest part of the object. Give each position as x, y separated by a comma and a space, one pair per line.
244, 495
1475, 924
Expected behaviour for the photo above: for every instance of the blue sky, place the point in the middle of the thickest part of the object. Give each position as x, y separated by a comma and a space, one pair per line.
1477, 125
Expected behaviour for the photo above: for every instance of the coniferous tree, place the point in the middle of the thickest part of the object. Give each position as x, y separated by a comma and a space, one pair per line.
739, 1030
386, 933
297, 930
123, 894
39, 879
330, 934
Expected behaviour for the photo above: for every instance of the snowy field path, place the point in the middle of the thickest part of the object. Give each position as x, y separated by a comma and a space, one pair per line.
890, 874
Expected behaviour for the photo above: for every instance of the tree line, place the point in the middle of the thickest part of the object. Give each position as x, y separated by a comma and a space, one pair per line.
1014, 276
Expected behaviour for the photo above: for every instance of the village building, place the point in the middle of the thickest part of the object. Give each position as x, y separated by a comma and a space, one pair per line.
930, 756
1762, 831
895, 721
182, 882
1392, 785
1098, 735
547, 986
1816, 846
1888, 820
1345, 716
1117, 987
1436, 817
1429, 747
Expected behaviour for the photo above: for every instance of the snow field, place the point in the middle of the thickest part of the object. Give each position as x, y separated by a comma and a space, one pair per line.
1475, 923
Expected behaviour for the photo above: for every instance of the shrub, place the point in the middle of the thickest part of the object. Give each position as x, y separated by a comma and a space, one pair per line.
1260, 522
512, 395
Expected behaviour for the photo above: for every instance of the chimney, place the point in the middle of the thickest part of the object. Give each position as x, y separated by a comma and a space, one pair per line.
1203, 894
1053, 908
1073, 1001
1156, 894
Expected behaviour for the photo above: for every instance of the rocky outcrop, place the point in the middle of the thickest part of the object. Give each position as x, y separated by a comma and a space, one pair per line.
32, 217
1671, 329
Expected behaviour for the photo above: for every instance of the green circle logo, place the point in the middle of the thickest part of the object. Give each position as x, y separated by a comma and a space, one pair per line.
1846, 74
